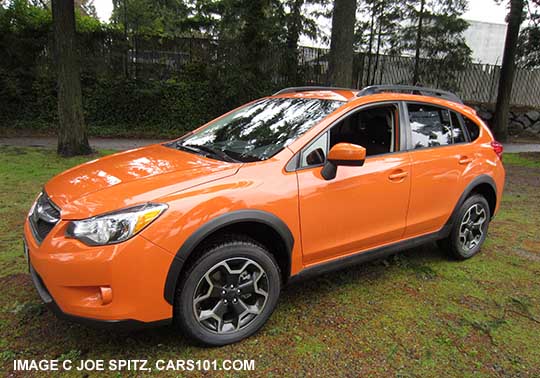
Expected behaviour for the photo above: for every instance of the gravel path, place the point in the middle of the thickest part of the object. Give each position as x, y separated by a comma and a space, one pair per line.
126, 144
97, 143
525, 147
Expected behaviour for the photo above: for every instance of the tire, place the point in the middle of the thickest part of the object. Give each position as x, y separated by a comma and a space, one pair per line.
469, 230
209, 310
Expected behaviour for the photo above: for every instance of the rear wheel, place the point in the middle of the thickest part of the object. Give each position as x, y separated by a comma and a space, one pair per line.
470, 229
228, 293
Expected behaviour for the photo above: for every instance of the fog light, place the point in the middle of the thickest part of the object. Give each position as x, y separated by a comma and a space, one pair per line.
106, 294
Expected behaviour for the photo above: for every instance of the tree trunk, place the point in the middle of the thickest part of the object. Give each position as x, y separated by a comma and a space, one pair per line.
378, 53
370, 48
126, 42
72, 138
416, 74
506, 79
340, 65
253, 39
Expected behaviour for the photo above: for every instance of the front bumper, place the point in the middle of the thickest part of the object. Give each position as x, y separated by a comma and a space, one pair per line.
126, 324
70, 276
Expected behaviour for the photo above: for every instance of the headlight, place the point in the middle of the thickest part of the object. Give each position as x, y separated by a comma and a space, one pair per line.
115, 227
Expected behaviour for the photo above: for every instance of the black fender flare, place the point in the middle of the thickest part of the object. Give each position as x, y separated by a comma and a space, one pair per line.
239, 216
482, 179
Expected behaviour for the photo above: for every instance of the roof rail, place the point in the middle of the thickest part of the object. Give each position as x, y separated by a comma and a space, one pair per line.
410, 89
312, 88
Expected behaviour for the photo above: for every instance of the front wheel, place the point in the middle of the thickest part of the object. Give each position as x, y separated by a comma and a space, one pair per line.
470, 229
228, 293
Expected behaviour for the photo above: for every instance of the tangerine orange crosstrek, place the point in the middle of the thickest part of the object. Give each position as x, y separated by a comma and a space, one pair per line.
206, 229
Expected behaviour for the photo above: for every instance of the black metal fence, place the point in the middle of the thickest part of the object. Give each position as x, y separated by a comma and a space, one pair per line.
110, 54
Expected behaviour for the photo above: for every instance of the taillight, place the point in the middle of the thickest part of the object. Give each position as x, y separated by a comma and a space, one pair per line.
498, 148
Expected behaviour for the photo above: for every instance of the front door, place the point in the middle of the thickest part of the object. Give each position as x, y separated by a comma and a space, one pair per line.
362, 207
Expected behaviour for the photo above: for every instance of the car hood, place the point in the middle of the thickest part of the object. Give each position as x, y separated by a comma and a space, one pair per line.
130, 178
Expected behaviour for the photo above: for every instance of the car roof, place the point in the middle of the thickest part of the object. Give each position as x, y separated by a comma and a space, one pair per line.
322, 94
377, 89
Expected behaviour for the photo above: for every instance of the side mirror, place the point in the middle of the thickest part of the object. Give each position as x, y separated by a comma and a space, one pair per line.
346, 154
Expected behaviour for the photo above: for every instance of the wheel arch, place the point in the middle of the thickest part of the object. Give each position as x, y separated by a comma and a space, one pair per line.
262, 226
484, 185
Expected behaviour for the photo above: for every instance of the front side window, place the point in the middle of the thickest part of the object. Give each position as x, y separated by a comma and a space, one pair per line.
260, 130
373, 129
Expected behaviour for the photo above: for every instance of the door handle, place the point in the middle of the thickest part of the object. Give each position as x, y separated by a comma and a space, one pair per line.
398, 176
465, 160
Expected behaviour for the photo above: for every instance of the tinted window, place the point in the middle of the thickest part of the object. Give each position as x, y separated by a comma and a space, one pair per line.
430, 126
472, 128
457, 131
260, 130
372, 129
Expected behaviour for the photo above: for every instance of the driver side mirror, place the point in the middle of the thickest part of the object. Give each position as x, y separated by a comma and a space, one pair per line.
346, 154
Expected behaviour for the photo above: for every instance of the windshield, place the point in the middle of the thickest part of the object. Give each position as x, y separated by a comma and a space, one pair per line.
258, 131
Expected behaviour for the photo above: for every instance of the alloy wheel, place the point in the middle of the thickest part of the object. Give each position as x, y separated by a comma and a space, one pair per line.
471, 229
230, 295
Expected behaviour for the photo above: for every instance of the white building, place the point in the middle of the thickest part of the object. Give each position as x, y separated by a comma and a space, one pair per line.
486, 40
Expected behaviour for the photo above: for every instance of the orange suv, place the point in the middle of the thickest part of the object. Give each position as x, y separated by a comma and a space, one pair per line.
206, 229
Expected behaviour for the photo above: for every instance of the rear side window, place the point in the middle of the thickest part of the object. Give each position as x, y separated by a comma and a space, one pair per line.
472, 128
430, 126
457, 130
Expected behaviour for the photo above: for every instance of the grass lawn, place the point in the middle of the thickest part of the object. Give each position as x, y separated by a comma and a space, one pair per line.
417, 314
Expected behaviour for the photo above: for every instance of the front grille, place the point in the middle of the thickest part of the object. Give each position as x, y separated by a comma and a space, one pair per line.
44, 217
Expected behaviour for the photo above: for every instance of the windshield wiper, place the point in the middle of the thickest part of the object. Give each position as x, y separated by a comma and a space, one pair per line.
221, 155
243, 157
180, 146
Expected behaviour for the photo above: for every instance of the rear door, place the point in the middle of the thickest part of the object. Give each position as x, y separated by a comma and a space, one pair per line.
439, 158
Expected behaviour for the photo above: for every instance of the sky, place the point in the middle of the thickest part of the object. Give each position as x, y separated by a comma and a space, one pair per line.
479, 10
487, 11
103, 9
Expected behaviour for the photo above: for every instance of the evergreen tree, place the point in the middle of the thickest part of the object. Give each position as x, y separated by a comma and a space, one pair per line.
529, 38
168, 18
377, 33
433, 34
300, 18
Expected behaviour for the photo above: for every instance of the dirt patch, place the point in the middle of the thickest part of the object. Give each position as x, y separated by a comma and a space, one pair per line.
18, 280
526, 254
523, 176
